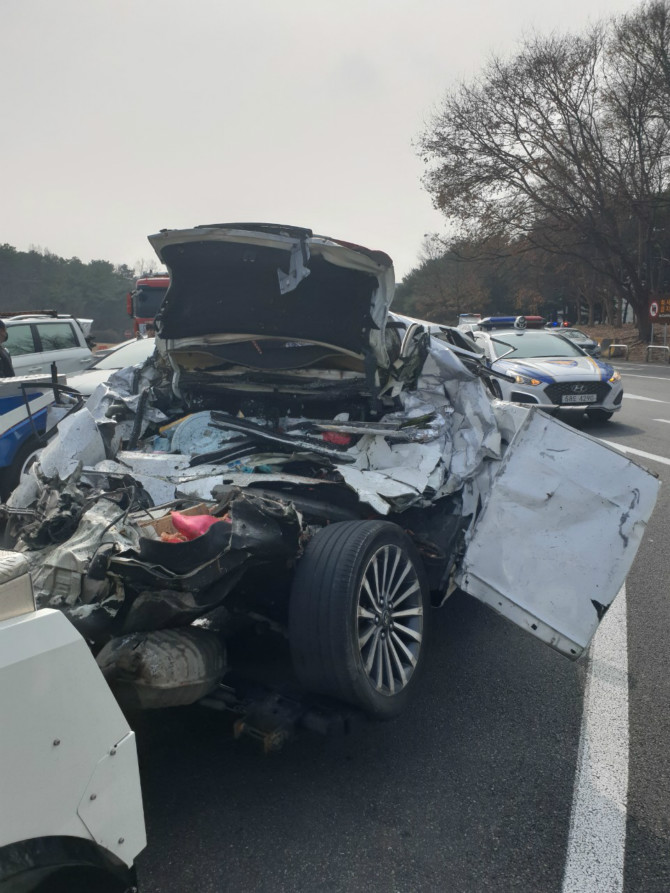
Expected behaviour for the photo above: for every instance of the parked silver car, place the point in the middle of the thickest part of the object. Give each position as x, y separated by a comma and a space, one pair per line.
35, 341
581, 339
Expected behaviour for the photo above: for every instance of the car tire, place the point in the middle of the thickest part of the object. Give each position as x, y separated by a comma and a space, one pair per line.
69, 879
62, 865
358, 616
599, 415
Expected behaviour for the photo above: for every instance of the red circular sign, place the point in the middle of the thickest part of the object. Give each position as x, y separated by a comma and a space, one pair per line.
653, 310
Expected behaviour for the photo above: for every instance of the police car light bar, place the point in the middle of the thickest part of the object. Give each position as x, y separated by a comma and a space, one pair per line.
512, 322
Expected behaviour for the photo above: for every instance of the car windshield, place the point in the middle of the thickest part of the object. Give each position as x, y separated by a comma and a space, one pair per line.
523, 345
129, 354
147, 301
574, 335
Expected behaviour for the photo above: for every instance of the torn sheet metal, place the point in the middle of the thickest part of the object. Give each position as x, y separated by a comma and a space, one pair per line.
560, 527
60, 572
164, 475
160, 489
380, 491
450, 436
166, 482
79, 441
393, 476
474, 433
126, 400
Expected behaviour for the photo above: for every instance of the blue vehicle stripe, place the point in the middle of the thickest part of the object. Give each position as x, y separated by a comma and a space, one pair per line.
7, 404
15, 437
606, 371
520, 369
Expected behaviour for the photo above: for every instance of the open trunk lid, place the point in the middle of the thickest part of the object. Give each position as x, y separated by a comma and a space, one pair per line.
266, 281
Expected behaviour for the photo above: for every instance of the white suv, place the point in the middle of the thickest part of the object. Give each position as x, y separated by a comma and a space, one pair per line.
35, 341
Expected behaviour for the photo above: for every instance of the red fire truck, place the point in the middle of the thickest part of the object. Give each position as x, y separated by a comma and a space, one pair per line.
145, 299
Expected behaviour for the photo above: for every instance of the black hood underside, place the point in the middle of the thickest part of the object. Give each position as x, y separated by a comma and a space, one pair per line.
233, 289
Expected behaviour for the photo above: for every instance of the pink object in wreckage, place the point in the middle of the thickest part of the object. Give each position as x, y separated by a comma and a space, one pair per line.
193, 526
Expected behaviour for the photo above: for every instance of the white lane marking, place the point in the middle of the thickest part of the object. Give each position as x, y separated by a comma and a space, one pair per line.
655, 377
646, 366
667, 421
597, 837
648, 399
641, 453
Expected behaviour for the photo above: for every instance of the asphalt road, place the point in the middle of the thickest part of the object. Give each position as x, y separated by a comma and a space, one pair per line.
473, 788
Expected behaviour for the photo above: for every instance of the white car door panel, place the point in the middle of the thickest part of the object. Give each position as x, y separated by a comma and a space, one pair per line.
61, 345
558, 500
34, 344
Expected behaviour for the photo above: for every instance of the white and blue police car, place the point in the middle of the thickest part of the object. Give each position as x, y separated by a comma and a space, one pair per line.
545, 369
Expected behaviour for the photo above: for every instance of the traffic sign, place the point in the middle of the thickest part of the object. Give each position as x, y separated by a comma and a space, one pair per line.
659, 309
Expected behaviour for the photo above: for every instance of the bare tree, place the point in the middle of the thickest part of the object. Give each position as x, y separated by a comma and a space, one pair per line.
564, 148
444, 284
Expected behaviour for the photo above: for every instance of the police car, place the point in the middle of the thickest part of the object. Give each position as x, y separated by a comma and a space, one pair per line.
548, 370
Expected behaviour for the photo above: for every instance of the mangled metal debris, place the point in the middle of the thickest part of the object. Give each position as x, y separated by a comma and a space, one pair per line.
345, 469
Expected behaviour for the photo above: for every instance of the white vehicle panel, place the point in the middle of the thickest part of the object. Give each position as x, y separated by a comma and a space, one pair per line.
558, 532
88, 381
55, 747
109, 806
60, 341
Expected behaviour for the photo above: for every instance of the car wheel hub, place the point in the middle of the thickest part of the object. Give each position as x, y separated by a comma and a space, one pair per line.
390, 619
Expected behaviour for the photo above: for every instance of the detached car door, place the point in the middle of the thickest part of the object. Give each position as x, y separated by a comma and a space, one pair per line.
558, 531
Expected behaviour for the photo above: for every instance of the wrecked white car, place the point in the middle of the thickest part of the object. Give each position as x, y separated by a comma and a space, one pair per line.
294, 455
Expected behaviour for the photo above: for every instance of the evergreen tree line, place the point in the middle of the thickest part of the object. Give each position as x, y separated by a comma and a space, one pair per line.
39, 280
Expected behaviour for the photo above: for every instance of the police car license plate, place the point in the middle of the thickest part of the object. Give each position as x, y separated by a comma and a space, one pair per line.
579, 398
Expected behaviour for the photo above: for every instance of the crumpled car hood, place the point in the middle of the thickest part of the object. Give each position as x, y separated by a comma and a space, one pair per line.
266, 281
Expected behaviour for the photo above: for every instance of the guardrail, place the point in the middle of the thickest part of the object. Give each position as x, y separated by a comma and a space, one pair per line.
658, 347
611, 347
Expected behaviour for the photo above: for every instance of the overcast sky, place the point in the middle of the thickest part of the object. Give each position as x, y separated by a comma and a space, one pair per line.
122, 118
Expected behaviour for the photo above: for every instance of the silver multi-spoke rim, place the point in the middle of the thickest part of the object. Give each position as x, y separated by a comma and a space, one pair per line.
390, 619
